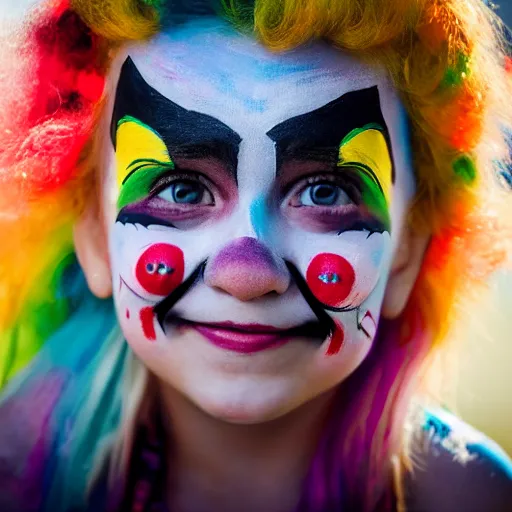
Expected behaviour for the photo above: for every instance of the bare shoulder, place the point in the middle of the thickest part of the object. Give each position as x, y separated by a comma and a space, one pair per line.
456, 468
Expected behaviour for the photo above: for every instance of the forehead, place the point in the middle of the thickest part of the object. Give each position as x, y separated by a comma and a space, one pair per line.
210, 68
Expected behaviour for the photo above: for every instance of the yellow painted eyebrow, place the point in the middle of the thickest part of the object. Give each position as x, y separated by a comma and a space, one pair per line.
135, 141
369, 148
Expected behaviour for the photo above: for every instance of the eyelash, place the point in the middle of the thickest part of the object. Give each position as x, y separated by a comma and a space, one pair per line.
167, 179
348, 183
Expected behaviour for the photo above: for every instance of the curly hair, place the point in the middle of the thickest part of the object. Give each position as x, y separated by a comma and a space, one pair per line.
447, 60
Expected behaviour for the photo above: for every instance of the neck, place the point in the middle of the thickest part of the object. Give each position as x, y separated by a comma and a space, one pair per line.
215, 465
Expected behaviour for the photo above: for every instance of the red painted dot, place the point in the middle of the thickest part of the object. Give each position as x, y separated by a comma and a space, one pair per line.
331, 279
147, 319
160, 269
336, 340
127, 314
508, 64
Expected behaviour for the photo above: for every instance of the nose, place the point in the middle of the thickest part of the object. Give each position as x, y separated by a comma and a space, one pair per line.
247, 270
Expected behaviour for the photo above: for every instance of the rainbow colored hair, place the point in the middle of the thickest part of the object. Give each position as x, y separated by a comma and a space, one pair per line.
446, 60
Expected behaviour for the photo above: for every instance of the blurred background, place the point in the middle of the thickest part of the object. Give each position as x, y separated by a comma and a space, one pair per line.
505, 10
483, 393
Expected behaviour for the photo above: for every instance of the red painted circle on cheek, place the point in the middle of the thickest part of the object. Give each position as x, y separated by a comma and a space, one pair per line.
160, 269
331, 278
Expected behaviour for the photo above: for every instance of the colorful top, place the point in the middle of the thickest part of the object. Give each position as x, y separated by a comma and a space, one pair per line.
146, 485
447, 436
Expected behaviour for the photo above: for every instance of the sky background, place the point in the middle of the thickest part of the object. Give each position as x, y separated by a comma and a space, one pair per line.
505, 11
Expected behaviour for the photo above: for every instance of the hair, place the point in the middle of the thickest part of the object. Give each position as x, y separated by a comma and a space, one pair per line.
72, 380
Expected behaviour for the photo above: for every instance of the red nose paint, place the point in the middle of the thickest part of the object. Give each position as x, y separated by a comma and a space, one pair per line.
331, 278
160, 269
336, 341
147, 319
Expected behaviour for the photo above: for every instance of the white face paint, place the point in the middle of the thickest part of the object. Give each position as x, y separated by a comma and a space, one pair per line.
258, 207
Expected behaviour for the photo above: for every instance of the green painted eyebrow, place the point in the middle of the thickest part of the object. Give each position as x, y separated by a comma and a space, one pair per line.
139, 183
357, 131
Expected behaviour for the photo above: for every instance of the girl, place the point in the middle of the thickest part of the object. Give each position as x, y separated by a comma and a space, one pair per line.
288, 202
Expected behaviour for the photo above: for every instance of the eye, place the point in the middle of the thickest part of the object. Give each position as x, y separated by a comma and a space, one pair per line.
187, 192
323, 193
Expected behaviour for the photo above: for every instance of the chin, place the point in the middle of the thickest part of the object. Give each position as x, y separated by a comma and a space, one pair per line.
245, 414
245, 388
247, 403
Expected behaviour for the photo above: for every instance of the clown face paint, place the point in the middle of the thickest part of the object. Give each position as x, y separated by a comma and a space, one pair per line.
256, 202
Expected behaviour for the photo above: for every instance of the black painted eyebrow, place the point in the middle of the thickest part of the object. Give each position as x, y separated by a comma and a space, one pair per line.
185, 133
317, 135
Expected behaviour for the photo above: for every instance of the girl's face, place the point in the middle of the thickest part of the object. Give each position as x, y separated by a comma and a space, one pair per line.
254, 203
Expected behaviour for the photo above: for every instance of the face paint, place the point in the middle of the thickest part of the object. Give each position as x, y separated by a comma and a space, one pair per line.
336, 340
366, 323
256, 199
331, 279
160, 269
365, 153
259, 220
137, 139
353, 196
147, 320
361, 155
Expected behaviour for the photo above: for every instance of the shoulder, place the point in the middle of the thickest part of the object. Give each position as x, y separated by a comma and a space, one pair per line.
455, 467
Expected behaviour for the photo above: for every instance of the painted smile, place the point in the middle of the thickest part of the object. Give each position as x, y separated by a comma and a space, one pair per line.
251, 338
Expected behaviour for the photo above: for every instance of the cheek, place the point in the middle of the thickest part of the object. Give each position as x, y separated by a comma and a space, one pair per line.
341, 271
159, 270
344, 352
348, 285
137, 320
147, 266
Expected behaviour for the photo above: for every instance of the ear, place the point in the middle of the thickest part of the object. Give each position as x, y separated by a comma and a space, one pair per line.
404, 271
91, 246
